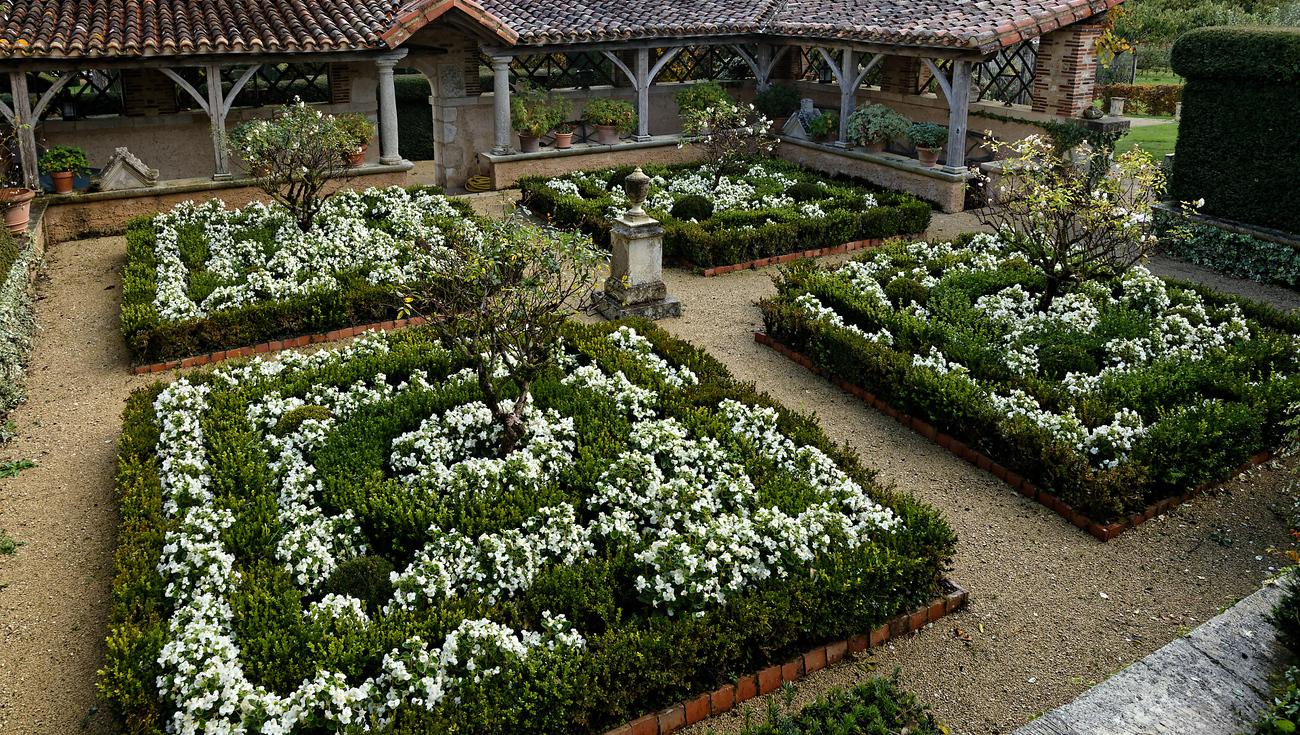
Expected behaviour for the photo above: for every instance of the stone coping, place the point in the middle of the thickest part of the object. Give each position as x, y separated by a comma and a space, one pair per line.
1018, 482
580, 149
185, 186
891, 160
1214, 681
700, 708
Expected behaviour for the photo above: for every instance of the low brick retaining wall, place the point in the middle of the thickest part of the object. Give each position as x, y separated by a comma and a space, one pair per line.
276, 345
768, 680
847, 247
1017, 482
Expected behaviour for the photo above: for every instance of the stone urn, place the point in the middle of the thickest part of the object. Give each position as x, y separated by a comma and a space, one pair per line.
637, 188
17, 203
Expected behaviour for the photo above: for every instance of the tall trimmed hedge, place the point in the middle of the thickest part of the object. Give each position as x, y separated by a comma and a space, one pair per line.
1239, 139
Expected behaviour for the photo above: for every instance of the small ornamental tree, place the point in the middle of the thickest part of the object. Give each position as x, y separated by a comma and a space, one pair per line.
728, 135
1075, 221
295, 154
507, 294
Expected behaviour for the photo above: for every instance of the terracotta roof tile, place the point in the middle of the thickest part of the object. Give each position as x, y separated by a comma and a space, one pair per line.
107, 28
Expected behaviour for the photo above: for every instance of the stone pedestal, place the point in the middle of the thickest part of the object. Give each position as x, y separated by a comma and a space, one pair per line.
635, 286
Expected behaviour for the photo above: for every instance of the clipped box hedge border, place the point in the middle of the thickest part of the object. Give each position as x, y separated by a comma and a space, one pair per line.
692, 244
139, 618
152, 339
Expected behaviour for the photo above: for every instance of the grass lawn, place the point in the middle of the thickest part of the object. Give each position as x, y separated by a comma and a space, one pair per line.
1154, 139
1157, 76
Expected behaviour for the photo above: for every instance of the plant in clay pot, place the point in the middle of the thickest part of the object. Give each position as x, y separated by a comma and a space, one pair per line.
534, 113
821, 127
359, 130
563, 136
63, 163
929, 139
875, 125
610, 118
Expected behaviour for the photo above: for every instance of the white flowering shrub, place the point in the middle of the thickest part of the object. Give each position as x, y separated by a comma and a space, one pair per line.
201, 271
649, 500
756, 207
1114, 392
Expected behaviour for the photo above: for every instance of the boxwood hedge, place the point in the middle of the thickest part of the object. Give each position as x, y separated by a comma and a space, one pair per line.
739, 236
637, 659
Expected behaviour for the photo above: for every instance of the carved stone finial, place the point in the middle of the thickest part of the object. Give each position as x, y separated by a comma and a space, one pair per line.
637, 188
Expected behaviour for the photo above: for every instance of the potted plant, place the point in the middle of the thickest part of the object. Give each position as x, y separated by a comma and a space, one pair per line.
610, 118
534, 113
820, 127
359, 130
778, 102
929, 139
63, 163
875, 125
563, 136
17, 204
700, 96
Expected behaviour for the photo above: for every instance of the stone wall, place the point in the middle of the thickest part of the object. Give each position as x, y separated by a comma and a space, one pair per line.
179, 143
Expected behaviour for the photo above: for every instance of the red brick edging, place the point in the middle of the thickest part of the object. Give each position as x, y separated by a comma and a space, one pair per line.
847, 247
768, 680
1017, 482
276, 345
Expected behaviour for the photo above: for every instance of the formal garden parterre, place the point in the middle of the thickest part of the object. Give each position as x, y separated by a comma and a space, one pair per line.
331, 542
759, 210
1118, 394
203, 277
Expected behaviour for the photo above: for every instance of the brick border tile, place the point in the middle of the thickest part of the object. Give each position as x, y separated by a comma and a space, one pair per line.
276, 345
697, 709
1013, 479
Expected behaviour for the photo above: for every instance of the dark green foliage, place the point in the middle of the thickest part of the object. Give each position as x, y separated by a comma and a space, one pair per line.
1233, 253
414, 117
1237, 141
693, 207
741, 236
1283, 715
805, 191
636, 660
150, 338
1204, 417
876, 707
293, 419
365, 578
1286, 616
8, 252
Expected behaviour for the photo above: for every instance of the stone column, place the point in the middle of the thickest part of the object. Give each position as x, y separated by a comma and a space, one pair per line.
501, 102
635, 286
958, 112
389, 152
1065, 69
26, 129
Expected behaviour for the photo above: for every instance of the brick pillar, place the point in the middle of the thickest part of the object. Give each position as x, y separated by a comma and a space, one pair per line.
1065, 70
787, 68
147, 92
900, 74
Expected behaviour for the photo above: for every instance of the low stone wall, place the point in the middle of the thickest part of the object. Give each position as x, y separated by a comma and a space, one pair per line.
945, 190
506, 170
74, 216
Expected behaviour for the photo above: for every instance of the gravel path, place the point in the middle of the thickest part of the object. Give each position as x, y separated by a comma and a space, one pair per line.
54, 593
1041, 629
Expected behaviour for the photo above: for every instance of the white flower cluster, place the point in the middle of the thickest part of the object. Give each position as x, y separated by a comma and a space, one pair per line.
684, 504
342, 239
1184, 327
814, 308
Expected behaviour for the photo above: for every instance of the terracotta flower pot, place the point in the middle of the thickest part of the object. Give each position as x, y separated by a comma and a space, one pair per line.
529, 143
357, 157
607, 134
778, 124
876, 146
563, 140
62, 181
17, 203
929, 157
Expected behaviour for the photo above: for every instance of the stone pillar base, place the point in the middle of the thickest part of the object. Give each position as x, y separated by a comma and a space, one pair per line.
611, 308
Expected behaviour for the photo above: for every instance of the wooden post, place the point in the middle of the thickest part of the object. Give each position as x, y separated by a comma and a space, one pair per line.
958, 111
25, 127
642, 82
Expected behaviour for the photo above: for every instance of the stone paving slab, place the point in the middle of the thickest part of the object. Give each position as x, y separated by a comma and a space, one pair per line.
1214, 681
